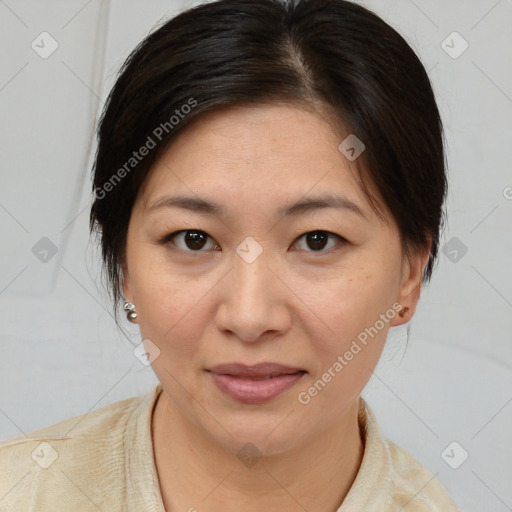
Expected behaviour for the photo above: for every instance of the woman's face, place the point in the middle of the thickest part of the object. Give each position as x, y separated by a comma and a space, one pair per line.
257, 280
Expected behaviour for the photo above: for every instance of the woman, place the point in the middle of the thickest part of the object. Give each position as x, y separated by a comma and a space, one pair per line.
268, 194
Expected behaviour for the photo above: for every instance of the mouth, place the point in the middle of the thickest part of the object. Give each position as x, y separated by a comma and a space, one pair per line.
255, 384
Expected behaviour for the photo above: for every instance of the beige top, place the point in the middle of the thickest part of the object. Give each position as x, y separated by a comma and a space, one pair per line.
104, 461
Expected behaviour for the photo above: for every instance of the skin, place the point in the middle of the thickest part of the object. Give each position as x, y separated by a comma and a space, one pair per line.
292, 305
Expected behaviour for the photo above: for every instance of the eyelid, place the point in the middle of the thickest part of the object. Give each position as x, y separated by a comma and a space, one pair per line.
166, 239
342, 240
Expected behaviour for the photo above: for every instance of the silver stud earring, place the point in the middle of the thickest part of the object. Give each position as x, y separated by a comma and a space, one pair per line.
131, 313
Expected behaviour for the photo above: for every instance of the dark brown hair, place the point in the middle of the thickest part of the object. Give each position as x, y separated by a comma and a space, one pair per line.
311, 52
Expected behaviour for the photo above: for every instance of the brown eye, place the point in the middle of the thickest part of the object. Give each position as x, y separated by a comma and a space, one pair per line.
318, 240
197, 241
191, 240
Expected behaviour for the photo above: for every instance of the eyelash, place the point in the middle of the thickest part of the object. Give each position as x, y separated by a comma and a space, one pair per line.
342, 241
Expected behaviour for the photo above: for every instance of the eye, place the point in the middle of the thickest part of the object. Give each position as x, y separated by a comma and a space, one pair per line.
190, 240
195, 240
317, 240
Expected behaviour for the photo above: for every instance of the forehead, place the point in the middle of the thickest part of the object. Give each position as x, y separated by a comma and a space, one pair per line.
256, 155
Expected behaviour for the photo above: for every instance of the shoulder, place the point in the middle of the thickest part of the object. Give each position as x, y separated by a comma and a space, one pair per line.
414, 487
390, 478
73, 461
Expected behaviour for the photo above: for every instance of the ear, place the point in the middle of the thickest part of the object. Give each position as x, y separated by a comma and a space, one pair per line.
413, 266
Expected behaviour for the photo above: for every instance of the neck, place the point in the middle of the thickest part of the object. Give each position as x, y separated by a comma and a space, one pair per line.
195, 473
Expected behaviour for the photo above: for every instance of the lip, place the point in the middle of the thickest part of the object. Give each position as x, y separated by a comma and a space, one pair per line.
254, 384
256, 370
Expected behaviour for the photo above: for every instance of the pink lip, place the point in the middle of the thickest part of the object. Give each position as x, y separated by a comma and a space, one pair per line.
254, 384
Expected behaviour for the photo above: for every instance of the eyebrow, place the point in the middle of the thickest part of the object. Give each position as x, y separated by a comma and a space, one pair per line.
300, 207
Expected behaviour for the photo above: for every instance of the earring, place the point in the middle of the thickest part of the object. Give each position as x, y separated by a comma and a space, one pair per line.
131, 313
402, 312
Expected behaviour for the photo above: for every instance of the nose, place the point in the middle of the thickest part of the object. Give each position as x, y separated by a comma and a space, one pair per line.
254, 303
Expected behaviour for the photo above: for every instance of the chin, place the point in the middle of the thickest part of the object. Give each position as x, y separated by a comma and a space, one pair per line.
261, 431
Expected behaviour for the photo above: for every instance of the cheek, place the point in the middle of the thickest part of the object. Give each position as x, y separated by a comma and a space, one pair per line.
348, 300
348, 352
355, 311
171, 310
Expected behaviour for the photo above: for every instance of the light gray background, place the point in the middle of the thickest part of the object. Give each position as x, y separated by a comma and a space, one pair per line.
61, 352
